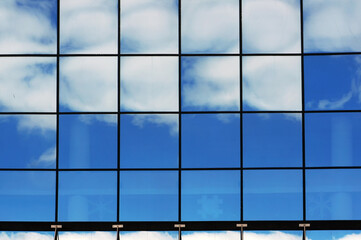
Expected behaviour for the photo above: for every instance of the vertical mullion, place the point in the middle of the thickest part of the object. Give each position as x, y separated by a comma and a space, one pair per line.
303, 115
179, 113
57, 112
241, 106
118, 115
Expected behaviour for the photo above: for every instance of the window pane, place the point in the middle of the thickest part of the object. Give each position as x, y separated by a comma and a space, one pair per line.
88, 26
27, 84
272, 140
210, 26
210, 140
272, 195
88, 141
272, 83
333, 194
211, 235
148, 235
87, 196
211, 195
28, 27
26, 235
333, 235
332, 25
27, 141
88, 84
210, 83
333, 139
332, 82
86, 236
273, 235
27, 196
149, 84
271, 26
149, 26
149, 196
149, 141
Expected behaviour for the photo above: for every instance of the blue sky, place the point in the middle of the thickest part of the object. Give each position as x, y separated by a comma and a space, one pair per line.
207, 84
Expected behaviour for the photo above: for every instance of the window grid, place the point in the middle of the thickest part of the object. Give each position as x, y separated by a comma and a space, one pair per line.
196, 225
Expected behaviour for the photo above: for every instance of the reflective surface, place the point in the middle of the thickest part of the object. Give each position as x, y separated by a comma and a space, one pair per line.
210, 195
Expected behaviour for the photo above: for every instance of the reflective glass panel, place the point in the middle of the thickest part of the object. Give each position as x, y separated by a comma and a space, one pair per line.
273, 235
149, 196
211, 195
149, 141
333, 139
334, 235
26, 235
28, 84
87, 196
88, 84
332, 25
333, 194
272, 83
210, 83
86, 236
88, 26
272, 195
149, 26
210, 140
210, 26
148, 235
27, 141
332, 82
28, 27
211, 235
272, 140
149, 84
271, 26
88, 141
27, 196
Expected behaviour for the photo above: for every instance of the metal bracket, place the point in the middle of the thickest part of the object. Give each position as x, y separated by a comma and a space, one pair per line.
117, 226
242, 225
56, 226
304, 225
179, 225
56, 236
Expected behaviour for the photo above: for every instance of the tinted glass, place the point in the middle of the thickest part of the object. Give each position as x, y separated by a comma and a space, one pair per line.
210, 83
211, 195
210, 140
272, 140
88, 84
27, 141
333, 235
28, 27
272, 195
149, 26
87, 235
330, 25
332, 82
210, 26
149, 141
87, 196
333, 139
271, 26
88, 141
27, 196
272, 83
149, 84
279, 235
88, 26
211, 235
333, 194
27, 84
149, 196
148, 235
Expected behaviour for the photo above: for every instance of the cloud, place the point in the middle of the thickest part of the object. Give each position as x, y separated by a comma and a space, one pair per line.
211, 83
210, 26
149, 26
332, 25
46, 159
352, 236
89, 84
88, 26
169, 119
26, 27
271, 26
272, 83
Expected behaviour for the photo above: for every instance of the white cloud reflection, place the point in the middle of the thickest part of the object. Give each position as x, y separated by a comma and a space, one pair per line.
149, 26
26, 27
271, 26
332, 25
